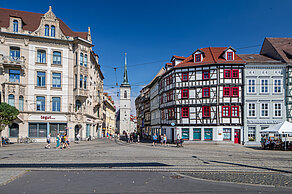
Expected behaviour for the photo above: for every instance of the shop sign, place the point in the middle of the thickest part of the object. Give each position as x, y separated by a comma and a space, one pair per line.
47, 118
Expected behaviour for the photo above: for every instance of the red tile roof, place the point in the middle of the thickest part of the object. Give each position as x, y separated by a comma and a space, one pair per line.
178, 57
31, 22
213, 55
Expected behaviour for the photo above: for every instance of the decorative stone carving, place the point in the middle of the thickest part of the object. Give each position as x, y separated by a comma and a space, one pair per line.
11, 89
70, 47
50, 14
2, 39
26, 41
21, 90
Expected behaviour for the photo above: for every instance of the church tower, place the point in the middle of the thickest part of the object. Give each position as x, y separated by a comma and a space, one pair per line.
125, 102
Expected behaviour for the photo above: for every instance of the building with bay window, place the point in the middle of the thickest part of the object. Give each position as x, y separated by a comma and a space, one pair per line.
51, 74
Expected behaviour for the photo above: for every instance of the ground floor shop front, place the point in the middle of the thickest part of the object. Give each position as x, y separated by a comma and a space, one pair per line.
36, 128
197, 133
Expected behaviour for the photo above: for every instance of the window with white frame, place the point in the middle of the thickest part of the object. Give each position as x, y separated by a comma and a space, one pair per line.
264, 109
264, 86
251, 109
251, 133
251, 86
277, 86
277, 109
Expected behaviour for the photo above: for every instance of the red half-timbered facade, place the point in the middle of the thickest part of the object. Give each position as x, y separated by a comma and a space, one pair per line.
201, 96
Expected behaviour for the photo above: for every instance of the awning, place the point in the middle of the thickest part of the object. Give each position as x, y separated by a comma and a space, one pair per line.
281, 128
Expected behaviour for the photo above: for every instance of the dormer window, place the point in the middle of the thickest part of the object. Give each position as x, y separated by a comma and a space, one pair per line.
53, 31
15, 26
230, 56
198, 58
47, 30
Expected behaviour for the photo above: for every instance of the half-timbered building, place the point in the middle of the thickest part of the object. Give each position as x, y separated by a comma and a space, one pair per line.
201, 96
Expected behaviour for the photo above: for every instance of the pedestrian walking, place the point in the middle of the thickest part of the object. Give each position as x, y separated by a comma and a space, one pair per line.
48, 146
58, 140
67, 141
164, 139
154, 137
138, 138
78, 137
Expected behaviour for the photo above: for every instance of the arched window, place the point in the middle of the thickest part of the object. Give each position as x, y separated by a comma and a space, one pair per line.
78, 105
21, 103
85, 60
81, 58
11, 100
125, 94
53, 31
15, 26
47, 30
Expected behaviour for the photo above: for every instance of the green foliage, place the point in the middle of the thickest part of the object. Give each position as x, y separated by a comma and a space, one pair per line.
7, 115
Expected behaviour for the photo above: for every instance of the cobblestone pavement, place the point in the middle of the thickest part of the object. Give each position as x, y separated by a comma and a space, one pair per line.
105, 154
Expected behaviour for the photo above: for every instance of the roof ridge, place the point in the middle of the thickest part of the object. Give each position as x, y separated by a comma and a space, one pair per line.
212, 55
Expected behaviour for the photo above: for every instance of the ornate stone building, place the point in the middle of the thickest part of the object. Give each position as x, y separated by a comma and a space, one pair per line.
51, 74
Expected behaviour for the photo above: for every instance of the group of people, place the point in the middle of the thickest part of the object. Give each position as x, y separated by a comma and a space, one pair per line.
161, 138
132, 137
273, 143
62, 141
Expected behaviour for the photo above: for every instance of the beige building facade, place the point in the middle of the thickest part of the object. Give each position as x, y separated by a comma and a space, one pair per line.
51, 74
110, 115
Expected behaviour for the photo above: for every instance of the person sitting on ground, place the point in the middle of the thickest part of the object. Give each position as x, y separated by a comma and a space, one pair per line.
154, 137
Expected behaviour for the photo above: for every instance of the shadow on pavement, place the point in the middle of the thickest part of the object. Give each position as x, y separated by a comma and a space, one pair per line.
258, 167
82, 165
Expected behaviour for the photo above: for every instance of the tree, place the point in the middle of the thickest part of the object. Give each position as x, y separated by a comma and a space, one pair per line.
7, 115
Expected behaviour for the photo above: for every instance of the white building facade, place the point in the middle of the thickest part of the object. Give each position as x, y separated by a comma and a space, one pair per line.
50, 74
264, 95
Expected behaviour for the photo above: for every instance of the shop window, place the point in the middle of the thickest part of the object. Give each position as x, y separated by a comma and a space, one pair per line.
226, 134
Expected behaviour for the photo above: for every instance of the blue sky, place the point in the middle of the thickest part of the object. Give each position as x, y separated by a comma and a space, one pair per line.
152, 31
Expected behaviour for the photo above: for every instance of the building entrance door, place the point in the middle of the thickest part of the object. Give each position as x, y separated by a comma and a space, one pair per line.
236, 135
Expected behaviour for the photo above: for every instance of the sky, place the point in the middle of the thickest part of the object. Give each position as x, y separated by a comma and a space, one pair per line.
151, 31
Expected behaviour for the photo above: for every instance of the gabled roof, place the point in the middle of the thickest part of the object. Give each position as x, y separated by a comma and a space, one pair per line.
162, 71
278, 48
257, 58
213, 55
177, 57
31, 22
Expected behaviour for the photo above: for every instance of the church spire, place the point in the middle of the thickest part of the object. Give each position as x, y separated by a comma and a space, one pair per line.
125, 80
